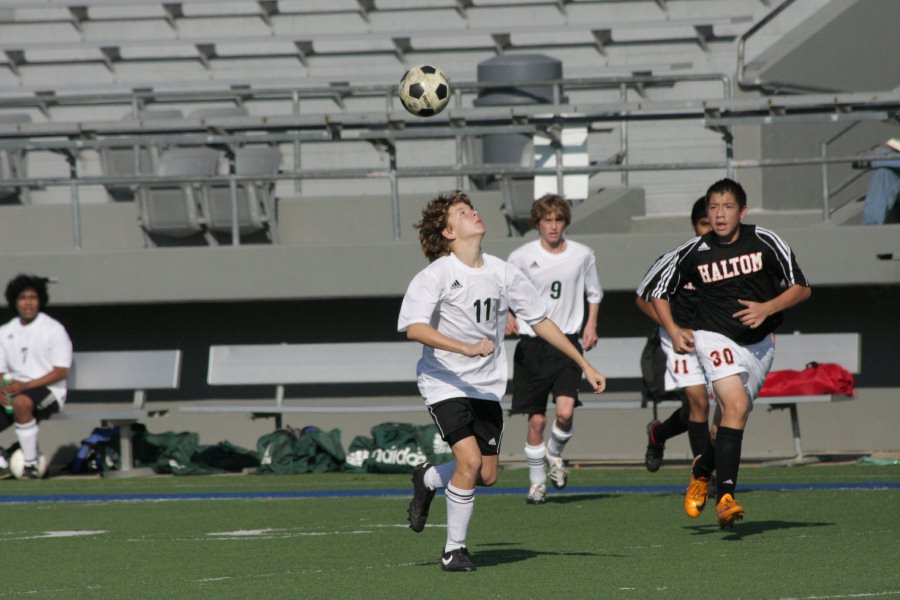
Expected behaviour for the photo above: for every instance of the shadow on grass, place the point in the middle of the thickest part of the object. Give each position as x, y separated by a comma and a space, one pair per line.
570, 498
742, 530
493, 557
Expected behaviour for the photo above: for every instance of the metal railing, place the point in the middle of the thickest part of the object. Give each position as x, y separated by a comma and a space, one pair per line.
460, 123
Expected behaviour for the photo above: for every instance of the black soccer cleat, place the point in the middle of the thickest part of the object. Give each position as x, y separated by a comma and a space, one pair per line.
31, 472
653, 458
457, 560
421, 500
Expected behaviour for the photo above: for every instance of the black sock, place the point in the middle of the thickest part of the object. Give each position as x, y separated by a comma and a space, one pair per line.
728, 459
707, 462
698, 434
669, 428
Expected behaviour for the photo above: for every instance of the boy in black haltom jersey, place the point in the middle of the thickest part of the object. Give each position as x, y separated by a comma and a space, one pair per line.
745, 276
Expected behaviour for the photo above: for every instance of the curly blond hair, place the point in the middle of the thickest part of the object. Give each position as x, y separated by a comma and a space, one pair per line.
434, 221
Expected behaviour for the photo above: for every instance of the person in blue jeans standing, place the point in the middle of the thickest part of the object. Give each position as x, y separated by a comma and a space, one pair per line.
884, 189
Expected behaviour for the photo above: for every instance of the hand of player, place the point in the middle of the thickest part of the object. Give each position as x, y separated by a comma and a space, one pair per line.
13, 388
589, 339
752, 316
682, 340
595, 378
484, 347
512, 326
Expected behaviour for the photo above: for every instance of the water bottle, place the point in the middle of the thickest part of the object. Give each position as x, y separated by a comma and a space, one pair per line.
8, 407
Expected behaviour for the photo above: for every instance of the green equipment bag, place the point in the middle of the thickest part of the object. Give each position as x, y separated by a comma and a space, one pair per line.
181, 453
291, 450
359, 455
396, 448
167, 452
436, 449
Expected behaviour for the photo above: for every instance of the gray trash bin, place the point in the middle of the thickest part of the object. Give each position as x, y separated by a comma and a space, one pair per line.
514, 149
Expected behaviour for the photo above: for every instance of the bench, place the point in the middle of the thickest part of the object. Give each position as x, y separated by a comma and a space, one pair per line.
137, 370
391, 362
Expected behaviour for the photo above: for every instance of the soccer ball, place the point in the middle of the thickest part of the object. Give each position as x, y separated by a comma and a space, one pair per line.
424, 91
17, 464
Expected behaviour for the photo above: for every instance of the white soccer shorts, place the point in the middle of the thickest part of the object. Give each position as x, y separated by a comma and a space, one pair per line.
721, 356
682, 370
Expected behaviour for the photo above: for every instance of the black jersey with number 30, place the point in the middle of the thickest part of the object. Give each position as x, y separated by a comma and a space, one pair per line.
757, 267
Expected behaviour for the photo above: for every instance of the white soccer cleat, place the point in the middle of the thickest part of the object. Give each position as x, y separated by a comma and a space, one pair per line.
557, 472
537, 494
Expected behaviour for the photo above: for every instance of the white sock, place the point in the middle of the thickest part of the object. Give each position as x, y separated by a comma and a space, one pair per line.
535, 457
28, 436
438, 476
558, 440
3, 462
460, 504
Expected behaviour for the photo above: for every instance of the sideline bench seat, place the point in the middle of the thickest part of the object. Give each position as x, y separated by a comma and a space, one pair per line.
379, 362
137, 370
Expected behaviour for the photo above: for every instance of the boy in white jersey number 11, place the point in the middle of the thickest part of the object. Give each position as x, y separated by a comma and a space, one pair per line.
457, 308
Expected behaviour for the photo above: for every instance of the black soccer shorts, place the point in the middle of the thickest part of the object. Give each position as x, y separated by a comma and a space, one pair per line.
459, 418
540, 370
45, 404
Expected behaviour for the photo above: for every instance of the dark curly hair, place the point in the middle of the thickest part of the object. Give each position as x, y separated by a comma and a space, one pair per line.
434, 221
22, 282
549, 204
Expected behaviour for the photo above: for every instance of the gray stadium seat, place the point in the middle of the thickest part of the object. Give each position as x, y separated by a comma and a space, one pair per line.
12, 164
255, 202
172, 211
123, 162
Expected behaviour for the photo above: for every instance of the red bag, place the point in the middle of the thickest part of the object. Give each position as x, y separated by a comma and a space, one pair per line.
825, 378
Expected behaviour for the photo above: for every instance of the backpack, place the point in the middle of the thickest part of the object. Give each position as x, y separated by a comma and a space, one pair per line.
99, 451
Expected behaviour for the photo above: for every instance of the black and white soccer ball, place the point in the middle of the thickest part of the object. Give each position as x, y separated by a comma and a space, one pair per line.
424, 90
17, 464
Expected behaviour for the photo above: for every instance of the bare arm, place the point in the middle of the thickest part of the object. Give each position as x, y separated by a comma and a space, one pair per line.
549, 331
682, 339
589, 335
54, 375
428, 335
647, 308
756, 312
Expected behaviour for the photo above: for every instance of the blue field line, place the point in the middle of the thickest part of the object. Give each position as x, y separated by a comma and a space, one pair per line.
307, 494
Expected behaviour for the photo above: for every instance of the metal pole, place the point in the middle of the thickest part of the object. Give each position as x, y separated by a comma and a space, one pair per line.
826, 201
623, 135
76, 206
395, 190
235, 228
298, 184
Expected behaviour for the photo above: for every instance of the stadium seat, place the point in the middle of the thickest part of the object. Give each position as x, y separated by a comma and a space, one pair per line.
255, 201
122, 162
172, 211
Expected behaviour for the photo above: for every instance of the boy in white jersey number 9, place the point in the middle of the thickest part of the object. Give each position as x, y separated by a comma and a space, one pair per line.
457, 308
565, 275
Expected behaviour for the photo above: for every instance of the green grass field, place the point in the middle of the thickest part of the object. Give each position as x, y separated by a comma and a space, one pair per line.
602, 542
